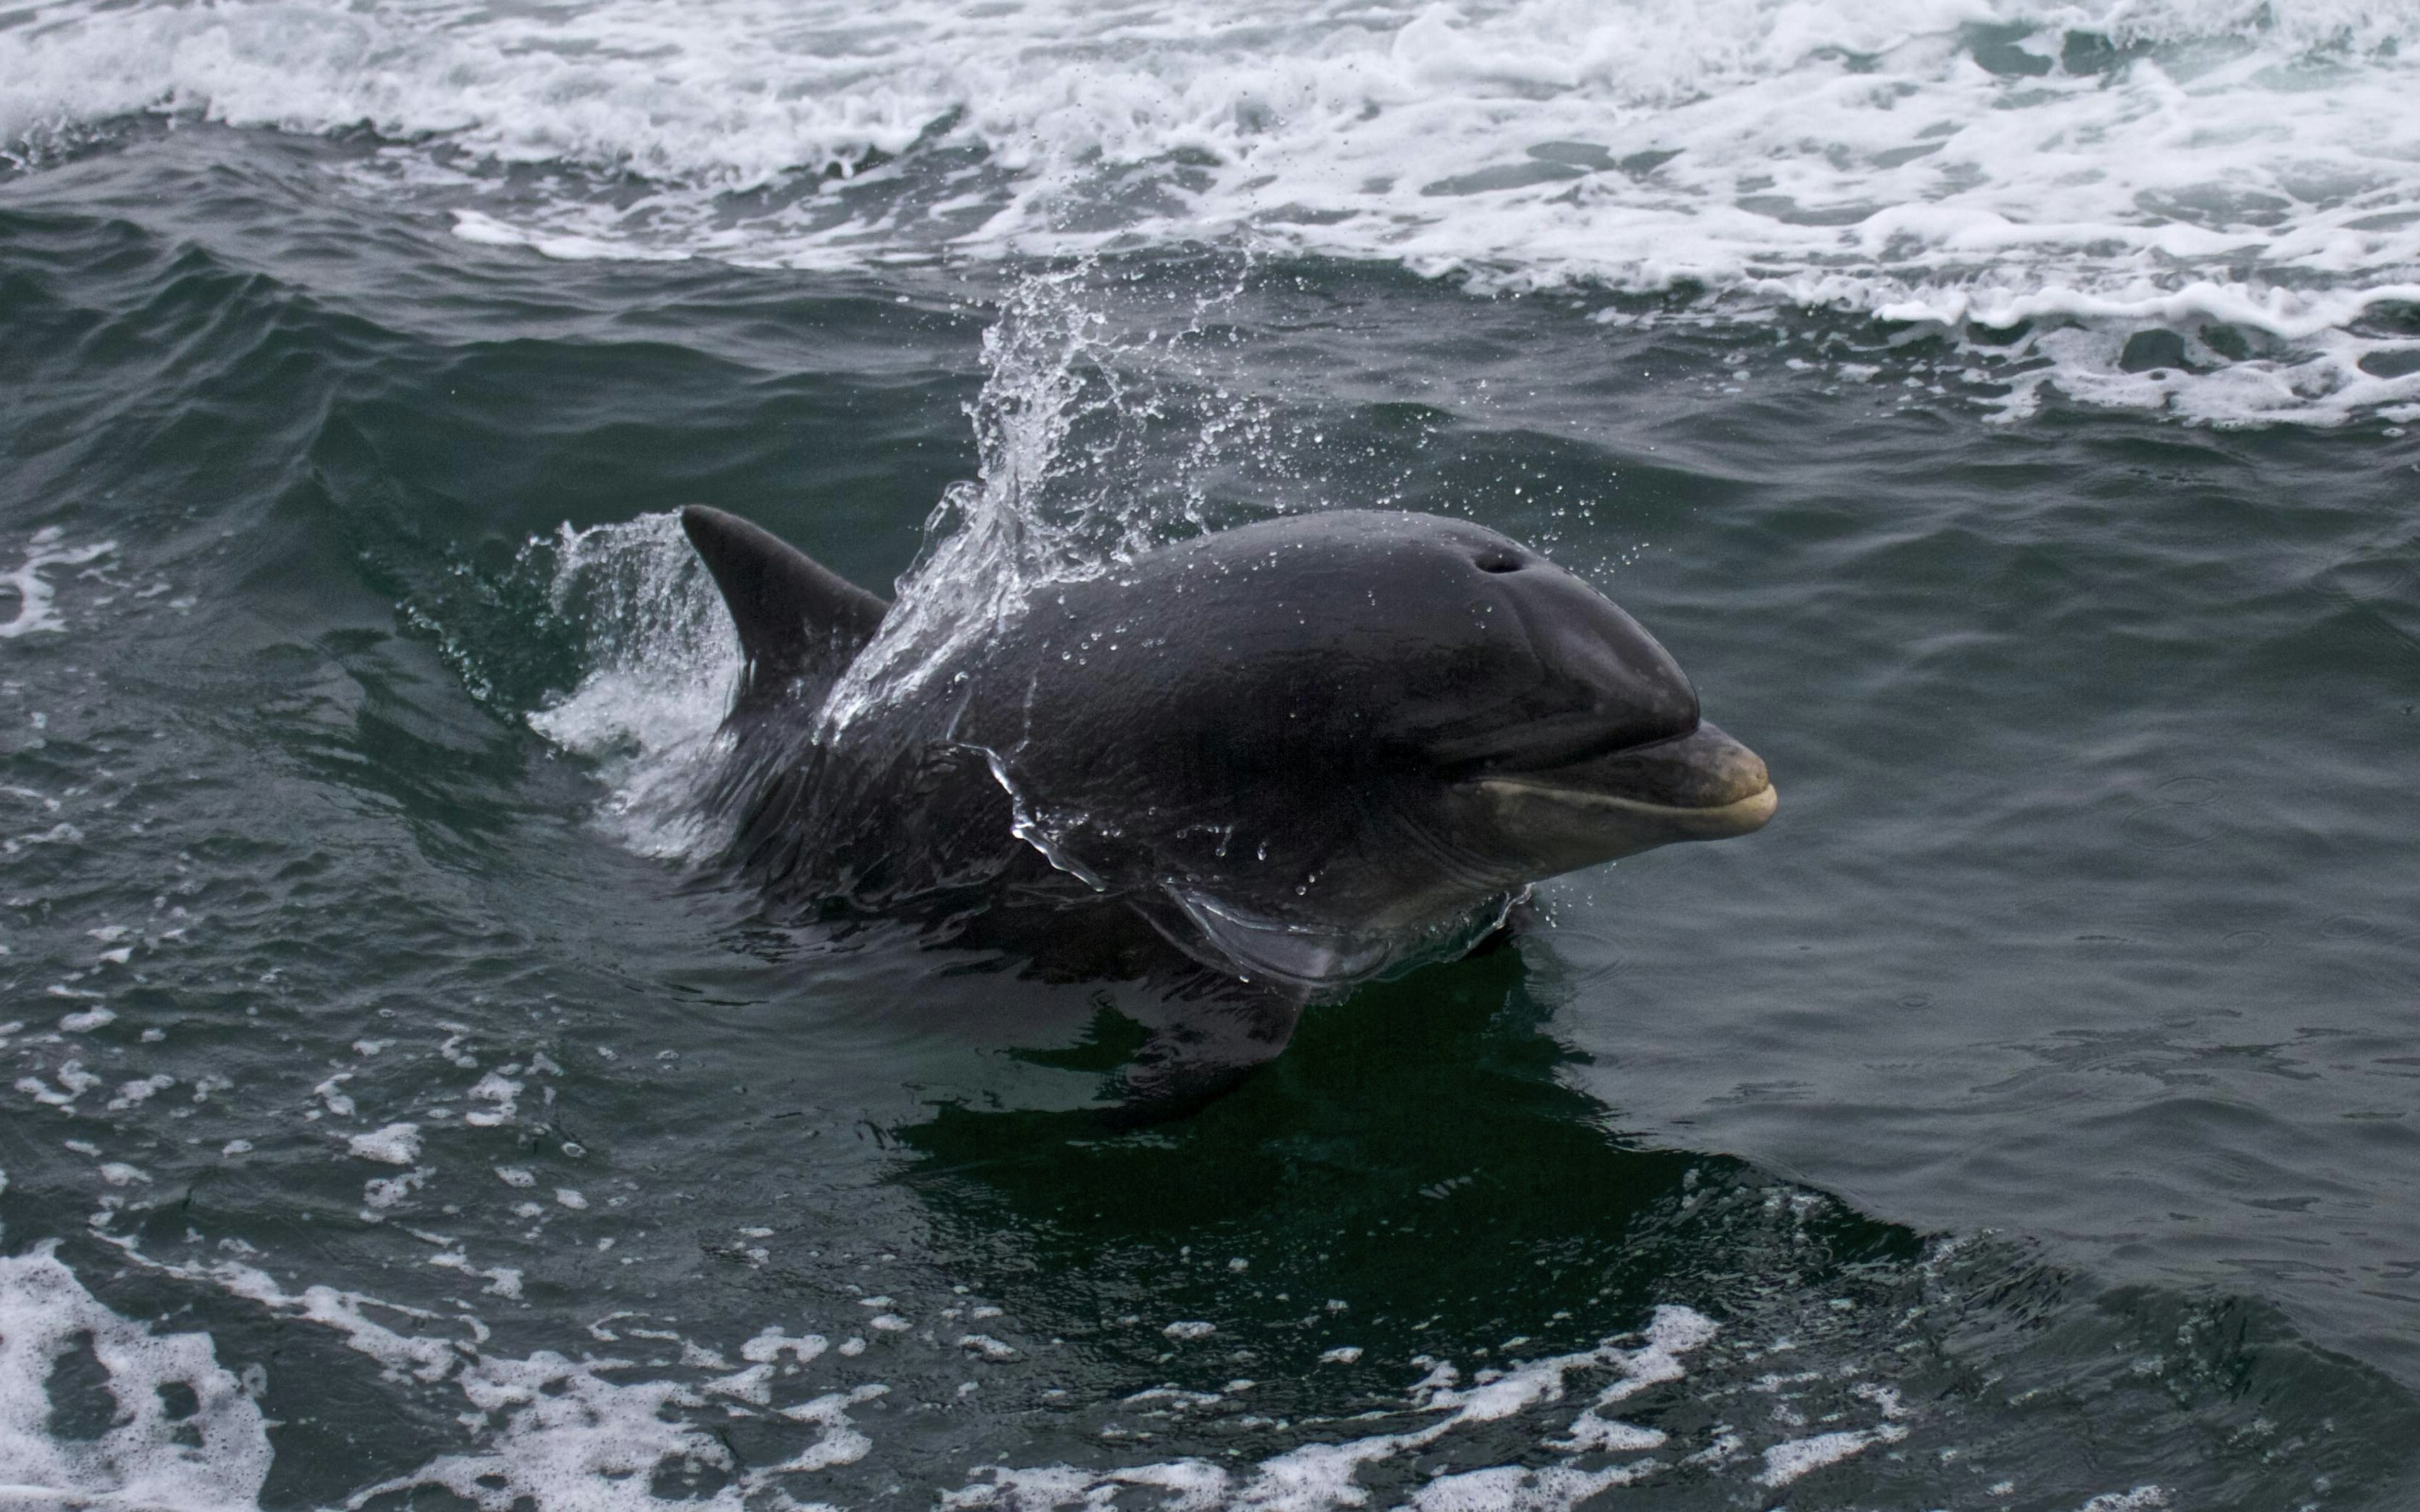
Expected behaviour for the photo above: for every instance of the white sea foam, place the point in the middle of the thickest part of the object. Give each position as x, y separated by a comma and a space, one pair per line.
2109, 162
396, 1144
564, 1437
1316, 1476
499, 1090
213, 1457
1786, 1463
1517, 1488
2141, 1499
555, 1432
35, 598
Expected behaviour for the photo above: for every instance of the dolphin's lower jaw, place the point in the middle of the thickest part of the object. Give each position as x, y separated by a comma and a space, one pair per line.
1703, 785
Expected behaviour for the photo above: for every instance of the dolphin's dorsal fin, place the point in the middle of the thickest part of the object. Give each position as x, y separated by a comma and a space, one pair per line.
798, 619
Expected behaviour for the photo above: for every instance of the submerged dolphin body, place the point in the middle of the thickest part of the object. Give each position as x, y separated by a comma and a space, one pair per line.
1244, 769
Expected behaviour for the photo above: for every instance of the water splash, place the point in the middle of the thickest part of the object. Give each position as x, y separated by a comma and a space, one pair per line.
662, 661
1098, 426
1086, 374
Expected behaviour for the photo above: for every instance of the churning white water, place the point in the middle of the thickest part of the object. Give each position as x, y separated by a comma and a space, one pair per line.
2243, 178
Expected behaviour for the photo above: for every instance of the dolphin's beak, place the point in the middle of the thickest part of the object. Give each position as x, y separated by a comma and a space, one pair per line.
1703, 785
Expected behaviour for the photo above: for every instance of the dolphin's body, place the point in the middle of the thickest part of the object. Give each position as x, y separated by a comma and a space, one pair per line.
1247, 768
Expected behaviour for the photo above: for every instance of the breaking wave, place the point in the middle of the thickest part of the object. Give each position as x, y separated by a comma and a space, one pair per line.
2243, 181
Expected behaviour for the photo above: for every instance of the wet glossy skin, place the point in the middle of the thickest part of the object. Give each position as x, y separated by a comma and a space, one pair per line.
1352, 721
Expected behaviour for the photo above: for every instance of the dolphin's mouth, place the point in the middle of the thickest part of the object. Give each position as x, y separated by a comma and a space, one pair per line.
1720, 821
1703, 785
1704, 773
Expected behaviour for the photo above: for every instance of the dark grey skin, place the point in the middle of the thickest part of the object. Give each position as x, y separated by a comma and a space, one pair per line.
1235, 773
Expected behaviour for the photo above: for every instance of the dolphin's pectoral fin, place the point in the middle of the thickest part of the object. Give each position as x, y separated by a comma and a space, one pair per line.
797, 618
1201, 1050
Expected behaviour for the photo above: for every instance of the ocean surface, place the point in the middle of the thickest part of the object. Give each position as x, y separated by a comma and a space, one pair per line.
2004, 411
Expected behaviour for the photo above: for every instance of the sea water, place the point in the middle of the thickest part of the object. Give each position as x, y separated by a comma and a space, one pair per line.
2002, 411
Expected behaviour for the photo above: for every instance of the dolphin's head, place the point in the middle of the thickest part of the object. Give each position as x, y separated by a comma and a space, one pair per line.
1359, 722
1574, 739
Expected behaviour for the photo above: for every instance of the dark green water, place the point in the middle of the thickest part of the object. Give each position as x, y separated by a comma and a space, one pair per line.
2031, 1102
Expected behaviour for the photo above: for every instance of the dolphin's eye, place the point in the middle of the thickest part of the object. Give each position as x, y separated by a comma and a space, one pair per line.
1495, 559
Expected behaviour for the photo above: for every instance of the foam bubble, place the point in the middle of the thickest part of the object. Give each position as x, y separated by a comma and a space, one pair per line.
1785, 1462
500, 1091
771, 1344
2141, 1499
37, 607
1517, 1488
397, 1144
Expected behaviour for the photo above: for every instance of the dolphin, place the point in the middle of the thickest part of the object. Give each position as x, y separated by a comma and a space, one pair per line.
1249, 769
